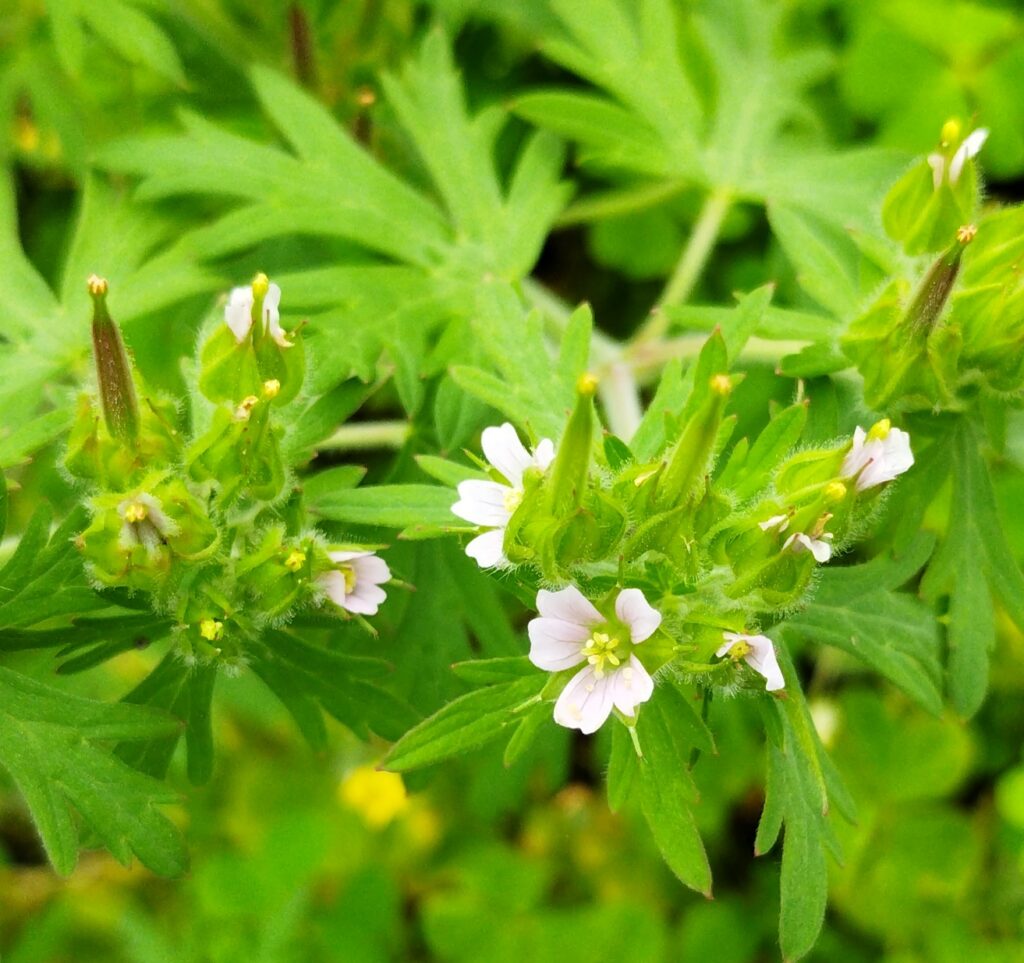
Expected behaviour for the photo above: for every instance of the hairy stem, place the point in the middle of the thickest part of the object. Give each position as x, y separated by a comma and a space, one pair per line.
367, 436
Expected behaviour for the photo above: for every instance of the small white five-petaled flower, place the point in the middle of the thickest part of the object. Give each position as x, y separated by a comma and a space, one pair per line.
143, 522
571, 631
972, 144
758, 652
820, 547
878, 455
490, 503
238, 313
354, 584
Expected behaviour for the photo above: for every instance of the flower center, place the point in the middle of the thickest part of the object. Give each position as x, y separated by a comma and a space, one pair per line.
296, 560
600, 653
740, 649
513, 499
350, 577
135, 512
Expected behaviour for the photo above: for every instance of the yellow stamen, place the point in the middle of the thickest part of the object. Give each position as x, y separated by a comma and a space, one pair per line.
600, 653
740, 649
966, 233
880, 430
271, 388
211, 629
135, 512
295, 560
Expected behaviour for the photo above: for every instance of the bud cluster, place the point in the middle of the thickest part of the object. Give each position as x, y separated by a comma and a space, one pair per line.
204, 520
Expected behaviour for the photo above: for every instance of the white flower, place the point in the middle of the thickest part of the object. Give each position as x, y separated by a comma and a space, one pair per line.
973, 143
144, 523
820, 548
238, 314
491, 504
781, 522
878, 456
758, 652
571, 631
354, 584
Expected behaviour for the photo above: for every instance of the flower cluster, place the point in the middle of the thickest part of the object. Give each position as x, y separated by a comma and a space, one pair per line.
714, 561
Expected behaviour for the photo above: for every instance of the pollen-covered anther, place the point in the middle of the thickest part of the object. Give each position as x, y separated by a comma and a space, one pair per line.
96, 285
135, 512
271, 388
966, 233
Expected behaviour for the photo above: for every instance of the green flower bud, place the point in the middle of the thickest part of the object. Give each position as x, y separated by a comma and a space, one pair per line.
567, 480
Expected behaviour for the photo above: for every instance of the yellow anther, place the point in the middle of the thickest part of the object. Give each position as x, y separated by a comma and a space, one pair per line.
245, 407
586, 384
295, 560
211, 629
739, 650
600, 652
721, 384
135, 512
97, 286
271, 388
966, 233
835, 491
880, 430
260, 285
950, 131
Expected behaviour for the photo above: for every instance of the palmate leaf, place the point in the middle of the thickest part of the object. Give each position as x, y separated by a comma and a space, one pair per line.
417, 258
650, 126
856, 610
54, 746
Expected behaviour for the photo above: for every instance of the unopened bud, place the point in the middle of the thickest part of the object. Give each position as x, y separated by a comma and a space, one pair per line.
721, 384
835, 491
271, 388
879, 431
950, 131
586, 384
260, 285
211, 629
113, 370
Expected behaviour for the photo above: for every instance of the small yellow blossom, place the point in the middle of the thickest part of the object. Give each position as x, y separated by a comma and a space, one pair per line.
377, 796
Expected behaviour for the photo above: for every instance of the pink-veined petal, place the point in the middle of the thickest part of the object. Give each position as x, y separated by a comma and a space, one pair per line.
372, 569
586, 702
635, 611
333, 584
556, 645
569, 605
365, 599
631, 685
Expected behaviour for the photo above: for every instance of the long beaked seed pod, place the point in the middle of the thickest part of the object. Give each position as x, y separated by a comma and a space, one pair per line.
117, 389
930, 299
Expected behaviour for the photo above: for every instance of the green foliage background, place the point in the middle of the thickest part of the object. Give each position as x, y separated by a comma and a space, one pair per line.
159, 144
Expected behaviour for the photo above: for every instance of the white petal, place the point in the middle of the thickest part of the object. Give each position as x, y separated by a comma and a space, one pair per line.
937, 162
635, 611
487, 550
238, 312
365, 599
969, 148
506, 452
586, 702
556, 645
544, 454
272, 316
569, 605
342, 556
631, 685
482, 502
781, 522
371, 569
333, 584
799, 542
762, 659
731, 639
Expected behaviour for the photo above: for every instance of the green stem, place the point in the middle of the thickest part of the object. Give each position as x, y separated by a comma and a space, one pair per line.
368, 435
691, 262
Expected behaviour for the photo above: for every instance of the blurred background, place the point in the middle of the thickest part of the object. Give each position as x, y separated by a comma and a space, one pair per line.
298, 856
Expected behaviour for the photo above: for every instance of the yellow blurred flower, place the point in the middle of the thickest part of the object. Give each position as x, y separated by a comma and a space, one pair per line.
377, 796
